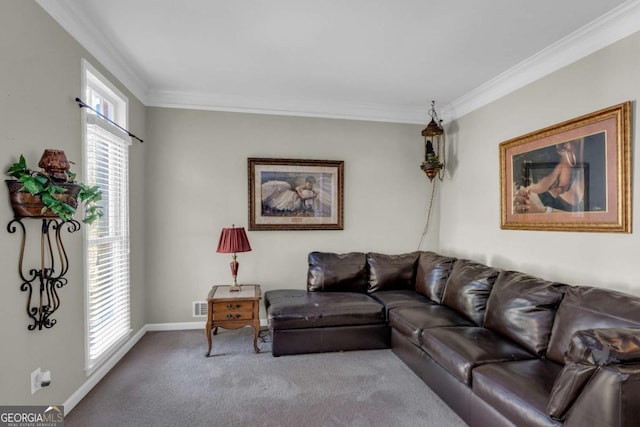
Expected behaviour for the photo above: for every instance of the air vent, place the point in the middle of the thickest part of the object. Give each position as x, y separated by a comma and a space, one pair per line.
199, 309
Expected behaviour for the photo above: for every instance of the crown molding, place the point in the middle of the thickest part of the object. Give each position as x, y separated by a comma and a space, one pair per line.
80, 28
286, 107
609, 28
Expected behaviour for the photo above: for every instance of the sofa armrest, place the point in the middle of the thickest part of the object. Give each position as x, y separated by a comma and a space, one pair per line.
610, 398
604, 347
589, 350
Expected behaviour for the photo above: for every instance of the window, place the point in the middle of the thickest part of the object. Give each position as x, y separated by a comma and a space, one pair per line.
106, 152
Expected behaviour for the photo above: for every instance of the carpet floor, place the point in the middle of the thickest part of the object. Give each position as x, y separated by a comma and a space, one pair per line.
166, 380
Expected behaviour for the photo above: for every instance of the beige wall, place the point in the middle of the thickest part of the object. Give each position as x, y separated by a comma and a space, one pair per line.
39, 79
470, 209
189, 179
197, 184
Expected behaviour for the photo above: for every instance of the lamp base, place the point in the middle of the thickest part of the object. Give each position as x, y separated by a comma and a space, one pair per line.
234, 273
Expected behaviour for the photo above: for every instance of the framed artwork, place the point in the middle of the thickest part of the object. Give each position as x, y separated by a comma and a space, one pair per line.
288, 194
573, 176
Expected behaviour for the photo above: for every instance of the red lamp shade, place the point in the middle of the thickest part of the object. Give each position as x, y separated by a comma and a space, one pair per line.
233, 240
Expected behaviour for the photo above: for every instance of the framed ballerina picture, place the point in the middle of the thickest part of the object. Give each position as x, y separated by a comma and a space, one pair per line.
573, 176
289, 194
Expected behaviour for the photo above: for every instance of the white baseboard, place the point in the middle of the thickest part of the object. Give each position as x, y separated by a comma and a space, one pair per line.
181, 326
95, 378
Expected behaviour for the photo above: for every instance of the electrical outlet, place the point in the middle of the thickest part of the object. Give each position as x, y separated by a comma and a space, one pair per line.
40, 379
35, 380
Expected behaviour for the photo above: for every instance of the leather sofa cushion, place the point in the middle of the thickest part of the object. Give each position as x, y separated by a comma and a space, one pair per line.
460, 349
522, 308
337, 272
410, 321
431, 275
402, 298
391, 272
589, 308
297, 309
468, 289
519, 390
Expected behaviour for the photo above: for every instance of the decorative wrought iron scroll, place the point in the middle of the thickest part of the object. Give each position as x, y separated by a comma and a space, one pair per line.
49, 277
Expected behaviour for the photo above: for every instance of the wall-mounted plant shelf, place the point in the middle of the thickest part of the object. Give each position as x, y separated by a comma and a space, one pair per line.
50, 195
42, 282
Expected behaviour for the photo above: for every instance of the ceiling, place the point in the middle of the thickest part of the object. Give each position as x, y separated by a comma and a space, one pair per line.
361, 59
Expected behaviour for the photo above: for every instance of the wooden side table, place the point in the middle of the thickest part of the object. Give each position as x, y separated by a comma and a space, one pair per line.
232, 310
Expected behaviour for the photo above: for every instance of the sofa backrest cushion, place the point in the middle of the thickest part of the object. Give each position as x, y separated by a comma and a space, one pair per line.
432, 274
584, 307
468, 288
337, 272
522, 308
391, 272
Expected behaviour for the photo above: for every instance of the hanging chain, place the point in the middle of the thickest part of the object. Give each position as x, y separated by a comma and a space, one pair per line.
432, 113
426, 226
443, 160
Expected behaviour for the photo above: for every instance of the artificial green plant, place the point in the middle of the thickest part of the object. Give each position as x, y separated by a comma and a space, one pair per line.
40, 184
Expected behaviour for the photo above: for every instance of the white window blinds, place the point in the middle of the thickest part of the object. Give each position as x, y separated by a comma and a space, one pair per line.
107, 248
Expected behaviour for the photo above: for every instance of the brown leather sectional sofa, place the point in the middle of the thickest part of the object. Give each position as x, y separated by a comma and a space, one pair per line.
501, 348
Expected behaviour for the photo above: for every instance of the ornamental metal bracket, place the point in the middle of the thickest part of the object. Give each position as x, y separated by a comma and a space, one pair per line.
54, 264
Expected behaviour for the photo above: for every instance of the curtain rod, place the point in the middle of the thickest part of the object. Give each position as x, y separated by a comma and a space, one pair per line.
82, 104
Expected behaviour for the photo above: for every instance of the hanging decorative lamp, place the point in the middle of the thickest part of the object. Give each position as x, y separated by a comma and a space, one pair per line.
434, 146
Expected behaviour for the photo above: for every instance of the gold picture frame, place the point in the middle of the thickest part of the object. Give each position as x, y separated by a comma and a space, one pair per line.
572, 176
293, 194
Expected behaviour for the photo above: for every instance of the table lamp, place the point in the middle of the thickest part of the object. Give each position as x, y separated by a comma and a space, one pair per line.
233, 240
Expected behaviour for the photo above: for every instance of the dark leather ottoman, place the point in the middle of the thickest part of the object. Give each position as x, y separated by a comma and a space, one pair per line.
312, 322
